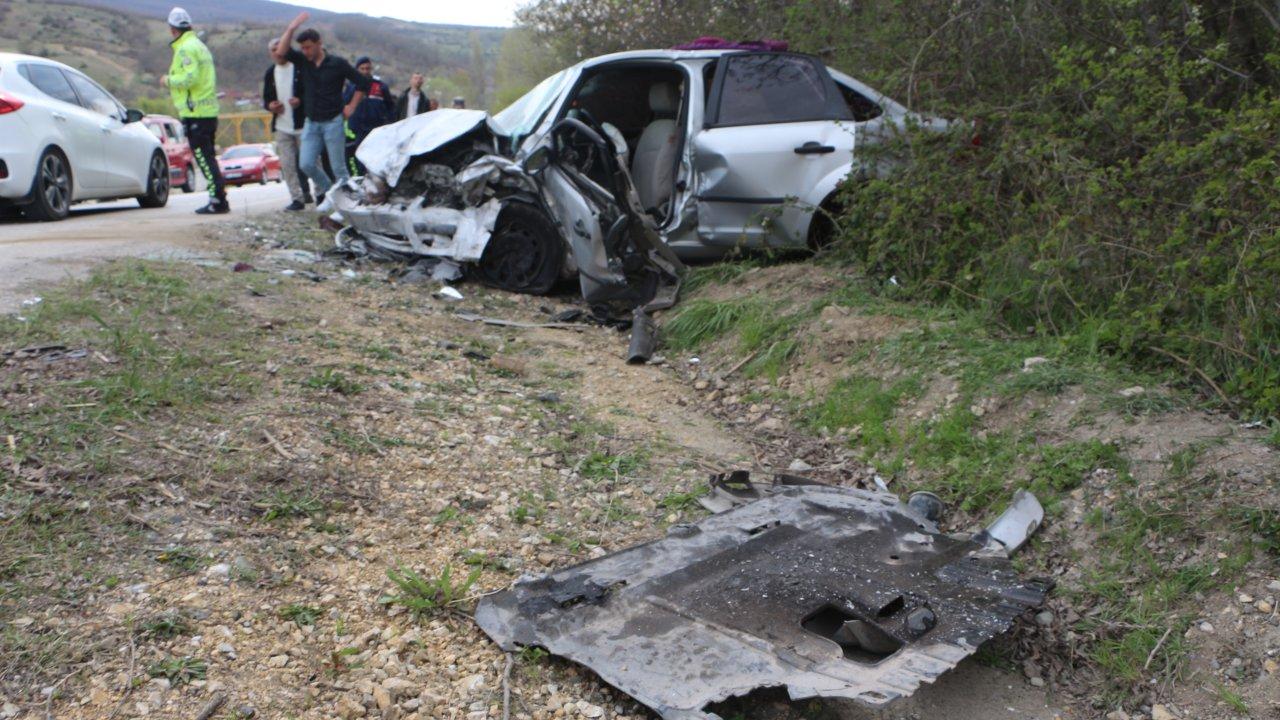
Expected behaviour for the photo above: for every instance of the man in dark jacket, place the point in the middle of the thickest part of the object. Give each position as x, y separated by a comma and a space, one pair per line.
282, 97
322, 80
413, 101
377, 109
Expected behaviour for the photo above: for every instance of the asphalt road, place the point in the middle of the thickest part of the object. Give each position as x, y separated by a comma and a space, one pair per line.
33, 255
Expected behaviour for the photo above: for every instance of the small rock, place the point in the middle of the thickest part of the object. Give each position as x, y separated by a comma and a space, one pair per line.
1271, 666
977, 410
221, 570
1044, 618
9, 711
382, 697
1117, 715
701, 385
1274, 586
1206, 628
799, 465
278, 661
227, 649
590, 711
1037, 682
1264, 607
1028, 363
1131, 392
348, 709
1246, 598
1160, 712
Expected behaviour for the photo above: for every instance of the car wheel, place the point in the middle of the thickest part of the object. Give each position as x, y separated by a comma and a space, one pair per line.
157, 194
262, 179
524, 254
51, 199
190, 185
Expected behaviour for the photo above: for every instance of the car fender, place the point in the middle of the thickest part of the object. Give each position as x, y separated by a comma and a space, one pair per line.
825, 188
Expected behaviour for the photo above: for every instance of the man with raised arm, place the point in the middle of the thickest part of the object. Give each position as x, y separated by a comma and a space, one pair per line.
323, 76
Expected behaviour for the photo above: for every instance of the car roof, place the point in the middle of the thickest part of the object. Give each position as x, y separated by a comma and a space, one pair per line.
11, 57
658, 54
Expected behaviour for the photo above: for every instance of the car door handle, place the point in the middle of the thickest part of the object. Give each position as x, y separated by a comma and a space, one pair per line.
106, 129
59, 117
815, 148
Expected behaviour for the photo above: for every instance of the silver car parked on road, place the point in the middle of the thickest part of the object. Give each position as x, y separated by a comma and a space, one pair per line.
614, 168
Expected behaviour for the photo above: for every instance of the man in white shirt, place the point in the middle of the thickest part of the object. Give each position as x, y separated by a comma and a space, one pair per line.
414, 101
282, 97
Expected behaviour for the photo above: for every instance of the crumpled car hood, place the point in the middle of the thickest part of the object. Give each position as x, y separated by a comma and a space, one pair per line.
387, 151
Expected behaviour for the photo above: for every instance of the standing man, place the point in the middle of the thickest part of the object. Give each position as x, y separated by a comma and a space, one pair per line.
193, 85
322, 80
413, 101
282, 97
378, 109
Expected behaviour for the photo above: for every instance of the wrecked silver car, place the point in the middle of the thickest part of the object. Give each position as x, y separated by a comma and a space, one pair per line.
827, 591
612, 168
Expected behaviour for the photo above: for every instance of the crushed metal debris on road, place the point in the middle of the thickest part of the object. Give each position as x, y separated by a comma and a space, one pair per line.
829, 591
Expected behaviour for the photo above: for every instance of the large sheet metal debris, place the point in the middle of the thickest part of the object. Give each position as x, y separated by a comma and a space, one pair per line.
827, 591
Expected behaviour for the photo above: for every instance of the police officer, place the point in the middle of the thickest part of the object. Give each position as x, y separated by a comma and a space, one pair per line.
192, 84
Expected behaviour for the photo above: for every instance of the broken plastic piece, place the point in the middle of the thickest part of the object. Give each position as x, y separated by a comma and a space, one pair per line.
826, 591
448, 293
1017, 523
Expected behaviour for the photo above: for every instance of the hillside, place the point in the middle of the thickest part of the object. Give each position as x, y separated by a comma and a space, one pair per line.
127, 51
217, 11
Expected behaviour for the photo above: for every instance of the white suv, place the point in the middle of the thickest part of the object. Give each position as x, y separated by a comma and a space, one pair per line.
64, 139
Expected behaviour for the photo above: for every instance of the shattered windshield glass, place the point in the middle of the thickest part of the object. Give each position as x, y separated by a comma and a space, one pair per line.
522, 116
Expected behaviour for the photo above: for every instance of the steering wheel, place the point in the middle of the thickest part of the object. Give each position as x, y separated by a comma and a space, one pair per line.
583, 149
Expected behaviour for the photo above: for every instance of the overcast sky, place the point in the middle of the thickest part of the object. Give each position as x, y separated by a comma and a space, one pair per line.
462, 12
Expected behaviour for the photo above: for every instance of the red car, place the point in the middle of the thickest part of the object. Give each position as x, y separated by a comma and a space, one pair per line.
242, 164
182, 163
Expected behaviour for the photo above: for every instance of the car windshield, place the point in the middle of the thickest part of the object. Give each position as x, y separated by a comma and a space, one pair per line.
241, 152
522, 116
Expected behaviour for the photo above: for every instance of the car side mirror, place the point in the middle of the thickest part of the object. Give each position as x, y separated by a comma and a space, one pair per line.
132, 116
538, 160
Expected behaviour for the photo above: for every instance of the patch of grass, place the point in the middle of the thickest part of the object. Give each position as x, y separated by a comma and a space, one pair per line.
182, 559
282, 505
720, 273
602, 466
333, 380
1232, 699
864, 406
166, 625
423, 597
680, 502
179, 671
338, 662
300, 614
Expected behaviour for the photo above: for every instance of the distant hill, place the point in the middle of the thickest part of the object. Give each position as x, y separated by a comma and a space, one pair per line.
124, 44
216, 11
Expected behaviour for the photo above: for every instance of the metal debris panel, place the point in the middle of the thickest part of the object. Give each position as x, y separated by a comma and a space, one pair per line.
828, 591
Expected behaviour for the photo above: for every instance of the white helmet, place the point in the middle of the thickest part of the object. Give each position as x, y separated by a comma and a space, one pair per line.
180, 19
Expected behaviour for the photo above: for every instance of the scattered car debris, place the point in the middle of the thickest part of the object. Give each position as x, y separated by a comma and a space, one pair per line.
448, 293
48, 353
499, 322
828, 591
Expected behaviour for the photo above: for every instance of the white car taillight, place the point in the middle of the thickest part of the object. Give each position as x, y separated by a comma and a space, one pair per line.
9, 103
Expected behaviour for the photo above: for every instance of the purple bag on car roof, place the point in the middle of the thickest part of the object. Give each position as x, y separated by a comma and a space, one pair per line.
717, 43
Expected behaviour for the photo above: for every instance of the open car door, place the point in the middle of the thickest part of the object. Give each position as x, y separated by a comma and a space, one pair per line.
776, 128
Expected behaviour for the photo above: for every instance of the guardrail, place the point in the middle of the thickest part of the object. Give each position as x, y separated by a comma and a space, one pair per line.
232, 128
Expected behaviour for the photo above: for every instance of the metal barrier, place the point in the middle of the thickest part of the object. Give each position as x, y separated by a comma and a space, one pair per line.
232, 130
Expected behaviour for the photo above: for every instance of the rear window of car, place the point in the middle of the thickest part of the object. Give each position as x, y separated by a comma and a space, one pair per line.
241, 152
50, 81
767, 88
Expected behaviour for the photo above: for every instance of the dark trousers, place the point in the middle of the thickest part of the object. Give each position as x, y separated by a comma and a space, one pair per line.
200, 134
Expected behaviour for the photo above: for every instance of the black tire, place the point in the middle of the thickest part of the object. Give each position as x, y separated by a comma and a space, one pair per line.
51, 190
190, 185
263, 180
524, 254
157, 195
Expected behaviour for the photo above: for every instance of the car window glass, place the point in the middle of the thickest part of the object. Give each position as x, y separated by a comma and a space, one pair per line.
157, 130
770, 89
862, 107
94, 97
172, 132
241, 152
50, 81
